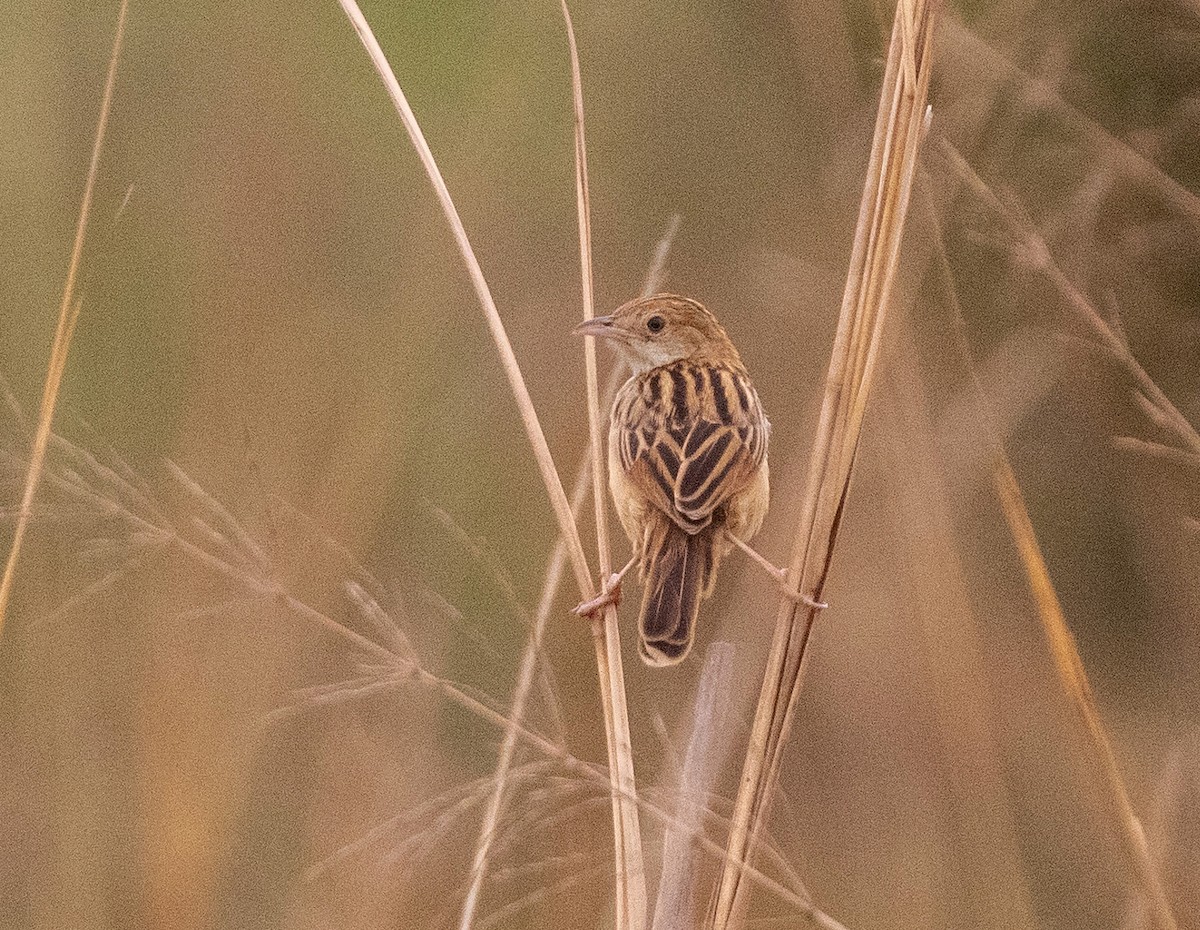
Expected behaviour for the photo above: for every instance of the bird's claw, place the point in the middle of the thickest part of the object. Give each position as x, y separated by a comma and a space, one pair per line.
798, 596
610, 594
801, 597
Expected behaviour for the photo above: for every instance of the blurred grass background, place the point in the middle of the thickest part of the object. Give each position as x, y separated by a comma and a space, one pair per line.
272, 300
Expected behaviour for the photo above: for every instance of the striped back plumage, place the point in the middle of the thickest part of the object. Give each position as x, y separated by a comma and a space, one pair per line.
691, 437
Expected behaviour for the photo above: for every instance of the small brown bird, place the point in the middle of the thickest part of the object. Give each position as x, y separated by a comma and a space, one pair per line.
687, 459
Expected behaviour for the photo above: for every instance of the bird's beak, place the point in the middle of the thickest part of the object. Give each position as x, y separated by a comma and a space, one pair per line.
596, 326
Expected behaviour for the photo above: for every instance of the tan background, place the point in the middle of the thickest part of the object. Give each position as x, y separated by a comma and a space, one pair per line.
271, 299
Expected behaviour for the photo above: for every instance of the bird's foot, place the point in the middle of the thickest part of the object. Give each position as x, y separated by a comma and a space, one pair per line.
779, 574
800, 597
610, 593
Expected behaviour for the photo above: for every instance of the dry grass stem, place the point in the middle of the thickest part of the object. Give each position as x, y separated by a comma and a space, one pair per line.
631, 903
378, 667
899, 129
68, 316
1074, 682
1030, 247
1068, 663
533, 647
631, 896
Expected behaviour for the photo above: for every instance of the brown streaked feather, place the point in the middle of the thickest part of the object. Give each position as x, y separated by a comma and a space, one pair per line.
690, 437
690, 441
679, 573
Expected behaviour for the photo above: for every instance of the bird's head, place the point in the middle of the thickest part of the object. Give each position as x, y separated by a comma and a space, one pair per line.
662, 329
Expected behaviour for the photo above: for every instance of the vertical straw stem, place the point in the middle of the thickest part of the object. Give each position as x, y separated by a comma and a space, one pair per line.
533, 647
1068, 664
631, 903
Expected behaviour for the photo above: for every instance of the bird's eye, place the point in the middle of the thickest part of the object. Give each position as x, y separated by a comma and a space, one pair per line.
655, 324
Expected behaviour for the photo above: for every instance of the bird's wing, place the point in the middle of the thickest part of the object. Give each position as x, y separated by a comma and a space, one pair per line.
689, 469
719, 459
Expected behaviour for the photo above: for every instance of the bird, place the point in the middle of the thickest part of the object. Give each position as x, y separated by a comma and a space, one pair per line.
687, 461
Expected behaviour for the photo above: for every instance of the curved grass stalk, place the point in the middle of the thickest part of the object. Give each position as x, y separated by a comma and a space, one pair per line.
1071, 675
629, 871
508, 359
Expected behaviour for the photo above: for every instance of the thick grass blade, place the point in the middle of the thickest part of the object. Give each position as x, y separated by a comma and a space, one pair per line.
899, 129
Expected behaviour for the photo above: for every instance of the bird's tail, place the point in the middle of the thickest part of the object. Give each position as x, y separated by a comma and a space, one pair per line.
679, 570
